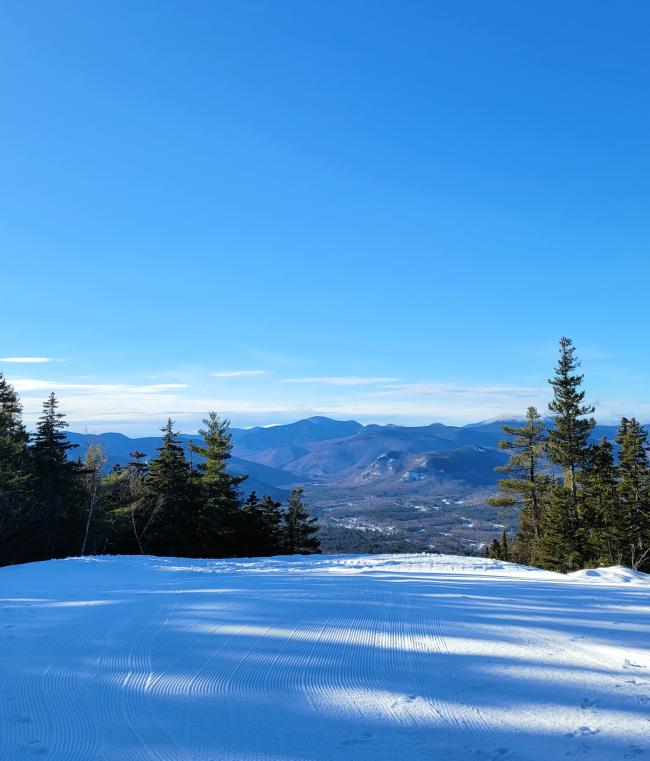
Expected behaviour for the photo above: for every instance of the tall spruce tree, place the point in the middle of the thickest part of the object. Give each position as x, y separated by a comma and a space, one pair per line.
58, 485
165, 525
299, 528
261, 533
137, 463
272, 523
633, 524
220, 519
560, 547
499, 549
567, 447
15, 515
568, 440
598, 511
527, 484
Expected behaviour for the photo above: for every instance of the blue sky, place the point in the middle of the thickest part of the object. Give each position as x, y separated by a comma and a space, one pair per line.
387, 211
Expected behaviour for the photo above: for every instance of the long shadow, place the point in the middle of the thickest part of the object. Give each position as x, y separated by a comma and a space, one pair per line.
359, 666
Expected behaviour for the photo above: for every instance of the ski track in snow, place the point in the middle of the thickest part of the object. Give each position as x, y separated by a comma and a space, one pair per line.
322, 659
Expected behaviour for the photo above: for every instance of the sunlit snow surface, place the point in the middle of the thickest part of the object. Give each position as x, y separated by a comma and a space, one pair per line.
318, 659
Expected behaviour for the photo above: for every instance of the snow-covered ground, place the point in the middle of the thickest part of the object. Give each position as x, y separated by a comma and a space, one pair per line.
396, 657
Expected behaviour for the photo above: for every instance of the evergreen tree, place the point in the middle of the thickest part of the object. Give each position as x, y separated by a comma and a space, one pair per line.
568, 440
499, 549
272, 525
527, 484
165, 524
598, 512
560, 546
261, 533
299, 529
252, 530
137, 463
633, 525
567, 447
15, 515
58, 493
220, 518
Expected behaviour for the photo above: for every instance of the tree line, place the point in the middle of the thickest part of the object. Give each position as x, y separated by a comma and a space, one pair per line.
581, 504
53, 505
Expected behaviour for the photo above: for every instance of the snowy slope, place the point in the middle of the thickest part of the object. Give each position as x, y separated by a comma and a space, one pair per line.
320, 659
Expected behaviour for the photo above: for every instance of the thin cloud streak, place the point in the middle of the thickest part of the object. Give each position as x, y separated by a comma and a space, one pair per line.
29, 360
459, 389
31, 385
341, 380
239, 373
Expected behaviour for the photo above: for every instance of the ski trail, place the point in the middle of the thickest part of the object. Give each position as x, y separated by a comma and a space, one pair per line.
326, 659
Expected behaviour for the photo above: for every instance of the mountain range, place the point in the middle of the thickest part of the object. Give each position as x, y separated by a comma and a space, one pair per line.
386, 487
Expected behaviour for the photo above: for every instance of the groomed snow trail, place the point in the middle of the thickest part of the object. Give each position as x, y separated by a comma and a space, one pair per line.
391, 657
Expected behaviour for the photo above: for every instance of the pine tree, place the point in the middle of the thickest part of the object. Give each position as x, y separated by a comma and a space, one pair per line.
568, 440
499, 549
261, 533
165, 521
559, 547
138, 462
15, 515
598, 507
220, 520
299, 529
633, 526
568, 447
527, 484
58, 485
272, 524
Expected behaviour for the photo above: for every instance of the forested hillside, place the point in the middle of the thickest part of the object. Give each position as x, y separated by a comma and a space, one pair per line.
54, 505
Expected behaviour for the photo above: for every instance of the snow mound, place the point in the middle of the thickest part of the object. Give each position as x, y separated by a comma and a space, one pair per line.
615, 574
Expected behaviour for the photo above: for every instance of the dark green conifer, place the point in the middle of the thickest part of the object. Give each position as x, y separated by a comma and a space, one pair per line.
272, 526
220, 520
633, 524
567, 447
299, 529
568, 440
58, 485
165, 524
559, 545
138, 462
527, 483
15, 514
598, 509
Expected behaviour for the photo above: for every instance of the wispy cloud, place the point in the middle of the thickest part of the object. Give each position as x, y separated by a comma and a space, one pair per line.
341, 380
28, 360
30, 385
239, 373
461, 390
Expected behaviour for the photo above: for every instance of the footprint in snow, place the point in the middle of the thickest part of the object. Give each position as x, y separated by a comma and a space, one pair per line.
583, 732
363, 737
36, 748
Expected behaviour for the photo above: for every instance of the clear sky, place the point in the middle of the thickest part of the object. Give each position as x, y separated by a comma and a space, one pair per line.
387, 211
